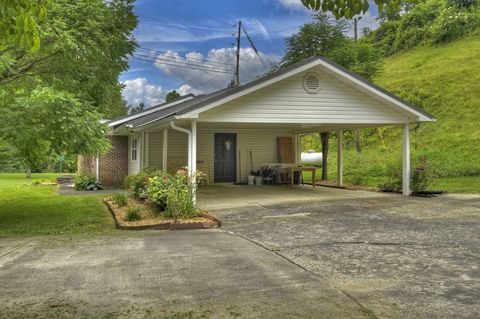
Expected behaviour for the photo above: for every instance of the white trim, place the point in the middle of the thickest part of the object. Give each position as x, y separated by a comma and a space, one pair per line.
149, 111
194, 113
406, 161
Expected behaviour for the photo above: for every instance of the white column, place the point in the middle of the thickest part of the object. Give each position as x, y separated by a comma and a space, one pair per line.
194, 146
146, 150
194, 160
97, 167
165, 150
340, 158
406, 161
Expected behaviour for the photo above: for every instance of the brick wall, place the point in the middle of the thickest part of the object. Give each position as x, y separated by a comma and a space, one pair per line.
114, 164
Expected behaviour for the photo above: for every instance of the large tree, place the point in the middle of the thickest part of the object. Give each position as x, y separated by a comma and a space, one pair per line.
327, 38
57, 91
349, 8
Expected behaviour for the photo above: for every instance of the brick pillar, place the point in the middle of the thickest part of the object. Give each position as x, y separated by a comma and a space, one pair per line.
114, 163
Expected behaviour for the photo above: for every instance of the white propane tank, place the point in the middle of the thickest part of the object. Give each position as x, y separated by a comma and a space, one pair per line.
311, 158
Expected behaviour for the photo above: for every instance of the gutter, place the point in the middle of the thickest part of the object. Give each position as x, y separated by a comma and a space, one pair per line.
189, 133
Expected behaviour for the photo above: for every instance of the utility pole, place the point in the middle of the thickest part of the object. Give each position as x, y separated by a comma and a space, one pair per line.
355, 38
237, 68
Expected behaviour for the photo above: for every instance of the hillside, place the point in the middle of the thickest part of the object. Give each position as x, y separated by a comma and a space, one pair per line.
445, 81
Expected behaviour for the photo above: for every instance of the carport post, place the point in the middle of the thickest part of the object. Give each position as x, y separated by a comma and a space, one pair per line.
165, 150
406, 161
194, 160
340, 158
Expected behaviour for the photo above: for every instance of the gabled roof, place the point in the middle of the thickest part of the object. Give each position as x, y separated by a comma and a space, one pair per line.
190, 108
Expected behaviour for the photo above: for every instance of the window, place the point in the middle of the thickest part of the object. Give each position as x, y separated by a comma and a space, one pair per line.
134, 149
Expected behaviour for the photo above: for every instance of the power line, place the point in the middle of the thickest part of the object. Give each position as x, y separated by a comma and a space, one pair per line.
194, 59
182, 62
194, 67
254, 48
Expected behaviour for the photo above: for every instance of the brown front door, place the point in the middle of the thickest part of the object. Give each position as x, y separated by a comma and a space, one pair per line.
225, 158
285, 150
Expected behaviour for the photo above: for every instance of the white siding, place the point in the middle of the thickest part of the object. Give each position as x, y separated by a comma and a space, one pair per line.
177, 149
262, 143
134, 165
288, 102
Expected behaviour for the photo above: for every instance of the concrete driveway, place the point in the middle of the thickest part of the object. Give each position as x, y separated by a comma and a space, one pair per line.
399, 257
350, 255
182, 274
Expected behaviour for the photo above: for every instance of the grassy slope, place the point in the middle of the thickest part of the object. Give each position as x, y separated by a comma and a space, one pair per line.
27, 209
445, 81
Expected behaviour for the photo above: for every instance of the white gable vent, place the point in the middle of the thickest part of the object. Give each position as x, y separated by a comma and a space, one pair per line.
311, 83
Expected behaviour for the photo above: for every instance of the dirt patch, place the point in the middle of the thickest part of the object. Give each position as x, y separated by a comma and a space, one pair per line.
151, 219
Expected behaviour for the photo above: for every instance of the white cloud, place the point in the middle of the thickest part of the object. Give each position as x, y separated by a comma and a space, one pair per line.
201, 75
139, 90
256, 27
292, 4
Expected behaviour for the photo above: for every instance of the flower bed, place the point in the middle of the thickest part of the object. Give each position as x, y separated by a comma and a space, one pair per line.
161, 201
150, 219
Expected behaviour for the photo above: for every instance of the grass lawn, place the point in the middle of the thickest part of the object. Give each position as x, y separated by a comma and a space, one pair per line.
30, 209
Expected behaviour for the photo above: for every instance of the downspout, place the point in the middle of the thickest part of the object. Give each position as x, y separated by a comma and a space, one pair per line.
189, 133
190, 159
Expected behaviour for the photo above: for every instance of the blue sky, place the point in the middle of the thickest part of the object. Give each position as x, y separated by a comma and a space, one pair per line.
201, 33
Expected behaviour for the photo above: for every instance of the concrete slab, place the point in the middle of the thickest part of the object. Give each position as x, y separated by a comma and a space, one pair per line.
227, 196
400, 257
183, 274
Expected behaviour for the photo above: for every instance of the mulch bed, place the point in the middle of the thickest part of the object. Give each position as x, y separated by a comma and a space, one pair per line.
154, 220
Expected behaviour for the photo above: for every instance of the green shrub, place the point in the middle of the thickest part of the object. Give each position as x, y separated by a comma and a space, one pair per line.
120, 199
86, 182
462, 3
157, 191
172, 194
137, 184
132, 214
453, 23
422, 176
394, 183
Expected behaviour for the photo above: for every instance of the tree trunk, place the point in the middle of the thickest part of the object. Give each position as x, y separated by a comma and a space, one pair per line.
324, 137
28, 172
357, 141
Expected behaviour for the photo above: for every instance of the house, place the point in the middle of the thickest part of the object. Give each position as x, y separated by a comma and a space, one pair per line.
231, 131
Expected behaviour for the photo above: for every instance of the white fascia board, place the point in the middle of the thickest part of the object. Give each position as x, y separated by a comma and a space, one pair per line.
373, 90
194, 114
147, 111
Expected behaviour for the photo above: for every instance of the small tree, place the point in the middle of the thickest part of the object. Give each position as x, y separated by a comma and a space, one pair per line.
172, 95
135, 109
